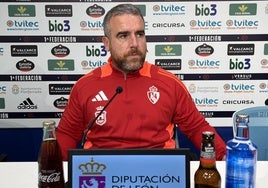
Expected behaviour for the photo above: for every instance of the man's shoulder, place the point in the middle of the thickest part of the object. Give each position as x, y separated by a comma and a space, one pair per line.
89, 77
157, 71
92, 74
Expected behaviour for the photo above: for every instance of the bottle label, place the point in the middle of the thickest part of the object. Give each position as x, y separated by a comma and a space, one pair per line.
240, 170
49, 177
208, 152
49, 139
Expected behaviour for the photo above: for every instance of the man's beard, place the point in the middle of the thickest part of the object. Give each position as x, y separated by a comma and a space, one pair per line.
131, 65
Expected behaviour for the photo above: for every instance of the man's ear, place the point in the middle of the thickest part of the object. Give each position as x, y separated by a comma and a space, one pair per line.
105, 41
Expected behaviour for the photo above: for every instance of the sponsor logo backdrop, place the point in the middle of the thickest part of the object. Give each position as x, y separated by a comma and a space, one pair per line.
219, 49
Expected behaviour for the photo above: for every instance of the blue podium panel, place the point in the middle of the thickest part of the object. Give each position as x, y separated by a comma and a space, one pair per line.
129, 168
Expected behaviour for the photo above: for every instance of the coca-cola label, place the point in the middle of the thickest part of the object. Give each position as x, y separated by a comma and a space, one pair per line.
49, 178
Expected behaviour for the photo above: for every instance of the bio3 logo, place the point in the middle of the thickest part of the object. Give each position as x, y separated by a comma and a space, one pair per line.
59, 27
96, 52
205, 11
236, 64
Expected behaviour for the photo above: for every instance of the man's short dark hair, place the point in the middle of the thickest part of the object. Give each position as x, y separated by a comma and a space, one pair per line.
119, 10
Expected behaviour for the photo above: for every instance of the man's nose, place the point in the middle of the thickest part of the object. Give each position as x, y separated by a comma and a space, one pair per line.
133, 41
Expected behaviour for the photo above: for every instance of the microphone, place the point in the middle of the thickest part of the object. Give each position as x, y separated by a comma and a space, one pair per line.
118, 90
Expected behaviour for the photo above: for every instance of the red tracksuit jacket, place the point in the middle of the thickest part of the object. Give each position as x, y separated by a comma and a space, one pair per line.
142, 116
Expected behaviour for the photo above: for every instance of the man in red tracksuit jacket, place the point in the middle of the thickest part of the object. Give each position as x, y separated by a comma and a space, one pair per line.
152, 100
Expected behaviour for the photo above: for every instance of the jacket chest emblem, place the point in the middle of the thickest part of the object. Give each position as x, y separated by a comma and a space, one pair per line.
153, 95
101, 120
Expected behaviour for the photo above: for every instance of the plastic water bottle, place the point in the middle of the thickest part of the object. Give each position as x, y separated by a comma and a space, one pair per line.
241, 156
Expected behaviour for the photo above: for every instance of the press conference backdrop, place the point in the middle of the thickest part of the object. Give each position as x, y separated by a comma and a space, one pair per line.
218, 49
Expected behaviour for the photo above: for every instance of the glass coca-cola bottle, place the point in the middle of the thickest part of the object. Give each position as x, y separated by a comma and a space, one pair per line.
50, 165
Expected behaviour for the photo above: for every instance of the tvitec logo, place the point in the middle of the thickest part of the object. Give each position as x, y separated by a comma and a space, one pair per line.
3, 89
206, 102
204, 64
239, 88
91, 26
168, 10
24, 25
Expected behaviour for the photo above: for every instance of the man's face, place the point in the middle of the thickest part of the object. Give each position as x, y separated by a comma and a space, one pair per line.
127, 42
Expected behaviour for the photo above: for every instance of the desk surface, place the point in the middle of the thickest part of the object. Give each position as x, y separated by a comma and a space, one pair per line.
24, 174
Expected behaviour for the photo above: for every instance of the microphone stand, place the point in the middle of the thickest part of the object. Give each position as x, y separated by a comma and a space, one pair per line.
117, 91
